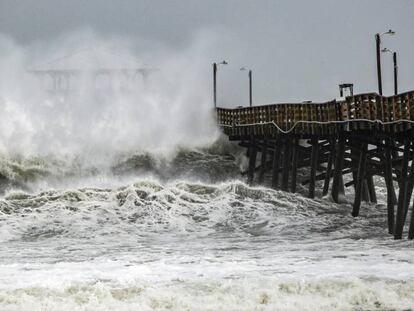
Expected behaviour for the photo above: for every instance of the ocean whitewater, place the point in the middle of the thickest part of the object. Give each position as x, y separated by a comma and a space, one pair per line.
188, 234
94, 217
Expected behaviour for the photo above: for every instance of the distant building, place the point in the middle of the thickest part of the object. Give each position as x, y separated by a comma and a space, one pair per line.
101, 69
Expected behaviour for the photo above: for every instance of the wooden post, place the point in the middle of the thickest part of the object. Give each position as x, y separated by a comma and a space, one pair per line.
339, 163
411, 230
354, 154
365, 193
399, 225
215, 84
409, 190
390, 189
314, 163
394, 58
371, 188
354, 163
389, 155
286, 164
378, 50
341, 185
276, 164
250, 89
263, 162
252, 161
360, 180
294, 166
329, 167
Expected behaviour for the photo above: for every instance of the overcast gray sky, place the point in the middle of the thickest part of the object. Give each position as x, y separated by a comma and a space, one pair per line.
298, 50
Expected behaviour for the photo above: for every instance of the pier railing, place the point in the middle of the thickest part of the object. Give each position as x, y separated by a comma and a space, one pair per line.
361, 111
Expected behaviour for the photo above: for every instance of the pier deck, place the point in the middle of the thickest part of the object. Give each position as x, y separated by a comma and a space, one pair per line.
364, 135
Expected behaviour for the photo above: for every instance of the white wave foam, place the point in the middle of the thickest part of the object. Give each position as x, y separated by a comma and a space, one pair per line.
196, 246
239, 294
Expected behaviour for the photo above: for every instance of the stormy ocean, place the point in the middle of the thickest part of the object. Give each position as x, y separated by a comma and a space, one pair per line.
189, 235
119, 196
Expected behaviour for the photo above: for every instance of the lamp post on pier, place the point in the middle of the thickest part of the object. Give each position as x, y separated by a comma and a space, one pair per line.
394, 59
215, 65
250, 85
378, 50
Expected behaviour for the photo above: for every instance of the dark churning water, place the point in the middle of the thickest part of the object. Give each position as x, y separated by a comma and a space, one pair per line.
188, 234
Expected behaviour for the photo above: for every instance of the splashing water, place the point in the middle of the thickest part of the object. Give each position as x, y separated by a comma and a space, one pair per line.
106, 108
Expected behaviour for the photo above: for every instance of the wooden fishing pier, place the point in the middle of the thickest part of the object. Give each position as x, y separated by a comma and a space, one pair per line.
363, 135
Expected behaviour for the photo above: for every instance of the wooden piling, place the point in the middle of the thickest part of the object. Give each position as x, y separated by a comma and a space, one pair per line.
371, 188
252, 162
329, 167
365, 192
294, 165
387, 163
411, 229
339, 163
276, 165
409, 188
399, 225
360, 180
314, 163
286, 164
263, 162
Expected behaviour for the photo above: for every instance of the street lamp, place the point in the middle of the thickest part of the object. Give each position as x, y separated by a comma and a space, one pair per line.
215, 65
394, 58
250, 85
378, 45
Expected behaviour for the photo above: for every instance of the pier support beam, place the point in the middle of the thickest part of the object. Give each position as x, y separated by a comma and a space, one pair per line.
387, 162
339, 163
276, 165
399, 225
252, 161
409, 190
360, 180
329, 167
263, 162
371, 188
286, 164
294, 166
411, 230
314, 163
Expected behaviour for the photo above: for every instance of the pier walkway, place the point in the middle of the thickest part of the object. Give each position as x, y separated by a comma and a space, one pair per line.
364, 135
